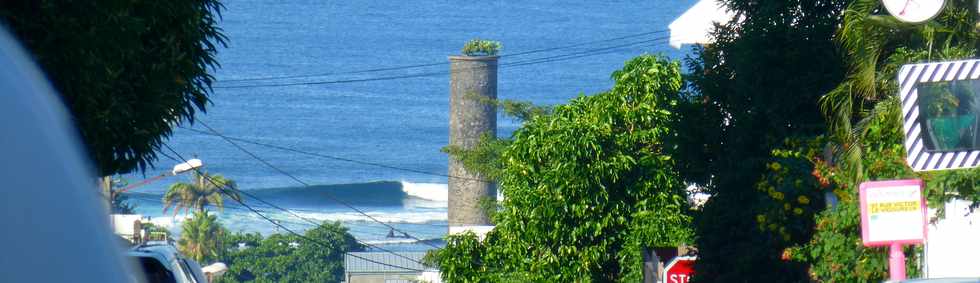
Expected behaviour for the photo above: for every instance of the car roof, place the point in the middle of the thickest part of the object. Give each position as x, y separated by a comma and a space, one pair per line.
160, 250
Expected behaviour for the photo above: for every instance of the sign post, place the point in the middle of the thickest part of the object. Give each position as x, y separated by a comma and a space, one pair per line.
679, 270
893, 213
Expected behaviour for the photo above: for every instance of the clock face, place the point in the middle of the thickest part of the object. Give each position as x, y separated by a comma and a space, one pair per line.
913, 11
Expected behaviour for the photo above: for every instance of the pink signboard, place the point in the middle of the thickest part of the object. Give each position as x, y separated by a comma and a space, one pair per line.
893, 212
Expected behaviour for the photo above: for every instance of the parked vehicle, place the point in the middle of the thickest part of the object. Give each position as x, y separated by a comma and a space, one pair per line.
162, 263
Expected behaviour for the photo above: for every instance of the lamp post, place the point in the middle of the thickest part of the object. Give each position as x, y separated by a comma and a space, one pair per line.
190, 165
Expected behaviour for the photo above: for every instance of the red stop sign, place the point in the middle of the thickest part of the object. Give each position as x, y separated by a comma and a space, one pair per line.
679, 270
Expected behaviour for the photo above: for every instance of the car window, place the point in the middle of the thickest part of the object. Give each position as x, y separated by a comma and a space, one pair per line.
187, 276
155, 271
195, 269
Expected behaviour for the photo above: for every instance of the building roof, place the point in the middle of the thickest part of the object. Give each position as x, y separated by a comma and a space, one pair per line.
353, 264
694, 26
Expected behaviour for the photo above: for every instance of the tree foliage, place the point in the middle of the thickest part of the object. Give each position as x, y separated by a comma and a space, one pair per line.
287, 257
835, 253
200, 237
485, 157
206, 190
481, 47
120, 202
790, 194
877, 46
865, 126
127, 70
754, 86
585, 188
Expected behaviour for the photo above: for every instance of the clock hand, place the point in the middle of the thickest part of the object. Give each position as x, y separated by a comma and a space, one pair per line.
905, 7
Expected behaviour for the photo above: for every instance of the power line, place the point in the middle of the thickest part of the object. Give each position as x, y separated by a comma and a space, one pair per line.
585, 43
549, 59
593, 50
225, 206
437, 63
241, 208
291, 176
420, 75
314, 154
586, 53
334, 73
274, 222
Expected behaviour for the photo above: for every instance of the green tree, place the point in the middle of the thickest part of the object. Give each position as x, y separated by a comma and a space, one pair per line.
835, 253
485, 156
877, 46
200, 237
204, 191
755, 86
790, 194
289, 258
865, 125
587, 187
129, 71
120, 202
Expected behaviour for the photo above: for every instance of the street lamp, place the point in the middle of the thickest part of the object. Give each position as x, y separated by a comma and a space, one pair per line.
187, 166
179, 168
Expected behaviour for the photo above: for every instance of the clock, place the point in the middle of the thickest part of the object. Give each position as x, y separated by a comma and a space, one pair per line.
913, 11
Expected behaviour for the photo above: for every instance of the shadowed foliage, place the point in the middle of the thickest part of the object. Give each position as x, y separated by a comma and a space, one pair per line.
127, 70
754, 87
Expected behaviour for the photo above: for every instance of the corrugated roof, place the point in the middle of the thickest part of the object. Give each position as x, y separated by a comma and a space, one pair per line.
357, 265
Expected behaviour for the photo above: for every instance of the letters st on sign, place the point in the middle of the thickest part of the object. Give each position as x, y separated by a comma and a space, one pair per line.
941, 114
892, 212
679, 270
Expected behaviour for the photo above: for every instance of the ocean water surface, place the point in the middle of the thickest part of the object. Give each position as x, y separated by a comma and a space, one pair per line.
400, 123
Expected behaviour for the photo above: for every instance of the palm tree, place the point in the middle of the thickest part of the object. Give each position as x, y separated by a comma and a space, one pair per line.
875, 47
200, 237
205, 190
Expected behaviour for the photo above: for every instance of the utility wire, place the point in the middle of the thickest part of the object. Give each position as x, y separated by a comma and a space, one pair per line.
234, 207
584, 43
438, 63
291, 176
274, 222
333, 74
563, 57
593, 50
419, 75
241, 208
333, 157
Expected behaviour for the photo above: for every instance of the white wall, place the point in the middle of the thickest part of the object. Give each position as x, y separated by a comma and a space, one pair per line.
953, 243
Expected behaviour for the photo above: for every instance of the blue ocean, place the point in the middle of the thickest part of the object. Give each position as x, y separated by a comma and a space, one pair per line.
328, 77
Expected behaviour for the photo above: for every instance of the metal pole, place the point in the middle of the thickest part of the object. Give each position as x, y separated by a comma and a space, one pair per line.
105, 184
896, 263
650, 265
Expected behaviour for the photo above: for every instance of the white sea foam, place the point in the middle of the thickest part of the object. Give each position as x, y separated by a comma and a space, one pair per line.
386, 242
388, 217
168, 220
428, 191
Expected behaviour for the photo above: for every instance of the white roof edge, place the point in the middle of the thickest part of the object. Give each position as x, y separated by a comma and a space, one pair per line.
694, 25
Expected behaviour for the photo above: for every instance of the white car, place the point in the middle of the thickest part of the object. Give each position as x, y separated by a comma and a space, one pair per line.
161, 262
